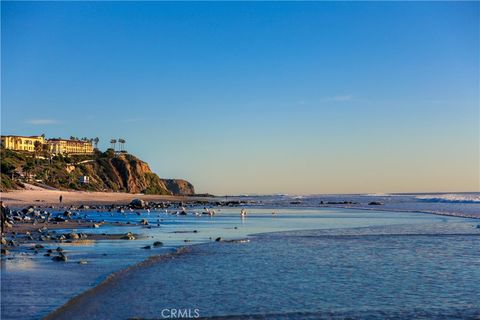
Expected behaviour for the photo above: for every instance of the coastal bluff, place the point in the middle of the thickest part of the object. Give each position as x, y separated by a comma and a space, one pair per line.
106, 172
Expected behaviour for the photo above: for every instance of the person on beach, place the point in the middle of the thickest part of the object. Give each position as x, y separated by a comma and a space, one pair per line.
3, 215
60, 198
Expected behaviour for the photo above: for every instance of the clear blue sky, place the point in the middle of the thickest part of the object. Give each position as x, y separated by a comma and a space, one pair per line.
256, 97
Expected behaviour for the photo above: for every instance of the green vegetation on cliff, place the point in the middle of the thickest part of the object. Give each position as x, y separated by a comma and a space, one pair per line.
106, 171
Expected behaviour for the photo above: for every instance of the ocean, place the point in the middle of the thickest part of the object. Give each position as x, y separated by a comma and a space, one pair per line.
316, 257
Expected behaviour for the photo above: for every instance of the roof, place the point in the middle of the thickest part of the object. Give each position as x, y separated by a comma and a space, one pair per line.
15, 136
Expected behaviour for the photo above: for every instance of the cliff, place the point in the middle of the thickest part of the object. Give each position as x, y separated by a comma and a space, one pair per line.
106, 172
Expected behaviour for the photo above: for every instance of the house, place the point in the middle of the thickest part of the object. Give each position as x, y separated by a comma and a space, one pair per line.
84, 179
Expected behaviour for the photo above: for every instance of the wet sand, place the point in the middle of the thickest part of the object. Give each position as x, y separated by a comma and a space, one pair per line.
43, 197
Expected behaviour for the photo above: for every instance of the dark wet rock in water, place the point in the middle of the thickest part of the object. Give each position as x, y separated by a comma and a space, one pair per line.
144, 222
158, 244
147, 247
59, 219
137, 204
59, 249
47, 254
39, 246
5, 251
375, 203
60, 257
218, 239
13, 243
96, 225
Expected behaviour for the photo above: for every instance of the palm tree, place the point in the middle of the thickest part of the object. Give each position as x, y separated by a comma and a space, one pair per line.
122, 143
113, 142
37, 148
96, 140
27, 168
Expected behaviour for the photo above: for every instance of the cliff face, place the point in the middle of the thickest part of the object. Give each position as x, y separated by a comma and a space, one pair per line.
123, 173
179, 186
128, 173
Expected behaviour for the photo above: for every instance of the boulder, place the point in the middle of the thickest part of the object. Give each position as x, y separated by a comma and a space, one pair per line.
73, 236
144, 222
375, 203
158, 244
61, 257
137, 204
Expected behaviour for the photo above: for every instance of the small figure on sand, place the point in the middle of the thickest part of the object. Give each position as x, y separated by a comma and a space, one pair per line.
4, 213
60, 199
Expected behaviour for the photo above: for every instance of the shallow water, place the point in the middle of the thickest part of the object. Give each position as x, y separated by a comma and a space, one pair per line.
33, 285
401, 272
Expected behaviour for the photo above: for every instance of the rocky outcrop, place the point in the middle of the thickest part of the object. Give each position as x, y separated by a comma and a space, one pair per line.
179, 187
126, 172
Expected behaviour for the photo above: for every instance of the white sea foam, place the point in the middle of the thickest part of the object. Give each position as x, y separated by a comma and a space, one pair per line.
452, 197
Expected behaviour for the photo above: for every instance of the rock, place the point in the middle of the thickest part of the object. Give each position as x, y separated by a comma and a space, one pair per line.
59, 249
4, 251
39, 246
73, 236
3, 241
375, 203
158, 244
82, 262
218, 239
147, 247
144, 222
67, 214
96, 225
60, 257
137, 204
128, 236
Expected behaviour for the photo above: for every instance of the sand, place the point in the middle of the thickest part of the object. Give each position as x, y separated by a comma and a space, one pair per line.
43, 197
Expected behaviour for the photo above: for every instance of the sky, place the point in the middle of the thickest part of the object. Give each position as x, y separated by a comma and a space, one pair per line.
256, 97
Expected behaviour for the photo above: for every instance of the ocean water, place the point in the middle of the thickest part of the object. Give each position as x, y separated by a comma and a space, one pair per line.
33, 285
376, 273
456, 204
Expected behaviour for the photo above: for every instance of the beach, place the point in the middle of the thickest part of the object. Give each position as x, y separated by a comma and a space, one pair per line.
43, 197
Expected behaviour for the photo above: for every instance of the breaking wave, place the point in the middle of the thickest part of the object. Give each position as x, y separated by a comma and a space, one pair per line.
453, 197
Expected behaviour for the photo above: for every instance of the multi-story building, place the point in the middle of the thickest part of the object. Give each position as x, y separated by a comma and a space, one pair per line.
63, 146
21, 143
55, 146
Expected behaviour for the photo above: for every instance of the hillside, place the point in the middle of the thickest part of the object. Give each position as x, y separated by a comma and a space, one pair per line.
106, 171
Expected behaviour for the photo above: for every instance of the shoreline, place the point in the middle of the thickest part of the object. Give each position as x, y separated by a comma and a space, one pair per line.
44, 197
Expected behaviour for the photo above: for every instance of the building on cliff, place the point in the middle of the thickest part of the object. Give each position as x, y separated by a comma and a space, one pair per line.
55, 146
22, 143
62, 146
